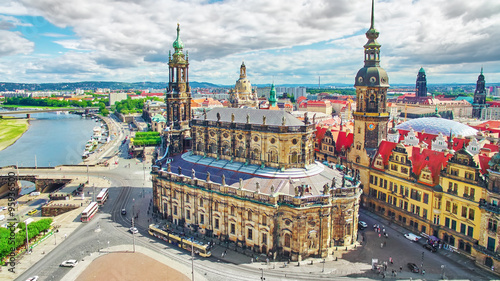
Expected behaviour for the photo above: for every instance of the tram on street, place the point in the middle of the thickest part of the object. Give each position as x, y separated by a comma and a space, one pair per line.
89, 212
102, 196
199, 247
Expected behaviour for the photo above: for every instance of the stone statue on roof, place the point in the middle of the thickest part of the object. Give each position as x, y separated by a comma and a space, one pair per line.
232, 117
179, 169
208, 176
223, 180
240, 186
218, 116
334, 182
248, 118
169, 168
264, 120
306, 119
272, 189
296, 189
325, 189
283, 121
204, 113
193, 174
257, 187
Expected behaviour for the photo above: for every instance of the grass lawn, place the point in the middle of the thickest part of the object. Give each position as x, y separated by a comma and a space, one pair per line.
10, 130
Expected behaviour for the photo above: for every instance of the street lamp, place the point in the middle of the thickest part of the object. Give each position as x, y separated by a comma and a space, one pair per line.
133, 211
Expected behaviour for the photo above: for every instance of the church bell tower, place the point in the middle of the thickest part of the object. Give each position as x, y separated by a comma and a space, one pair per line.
178, 100
178, 92
479, 97
371, 116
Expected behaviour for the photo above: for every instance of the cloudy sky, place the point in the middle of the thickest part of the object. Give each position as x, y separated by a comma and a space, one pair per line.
285, 41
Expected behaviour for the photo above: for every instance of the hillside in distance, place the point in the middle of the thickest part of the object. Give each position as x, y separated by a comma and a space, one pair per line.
93, 85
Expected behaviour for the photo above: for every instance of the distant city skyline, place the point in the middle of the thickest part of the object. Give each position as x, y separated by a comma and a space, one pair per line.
288, 42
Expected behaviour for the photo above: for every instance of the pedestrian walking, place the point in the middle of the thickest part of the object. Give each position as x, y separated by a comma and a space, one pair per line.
381, 245
401, 269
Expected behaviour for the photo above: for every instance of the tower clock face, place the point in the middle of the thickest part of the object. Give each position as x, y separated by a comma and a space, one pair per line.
371, 126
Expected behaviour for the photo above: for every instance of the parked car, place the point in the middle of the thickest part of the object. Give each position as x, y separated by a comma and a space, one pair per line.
413, 267
362, 225
34, 278
69, 263
32, 212
412, 237
134, 230
124, 212
430, 248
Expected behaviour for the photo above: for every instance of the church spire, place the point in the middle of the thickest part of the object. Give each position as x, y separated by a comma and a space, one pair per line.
272, 96
178, 45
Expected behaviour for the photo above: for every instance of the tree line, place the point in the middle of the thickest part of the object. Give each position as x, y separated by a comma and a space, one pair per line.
9, 241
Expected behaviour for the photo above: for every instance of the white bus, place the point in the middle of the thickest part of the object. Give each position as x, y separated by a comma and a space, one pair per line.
102, 196
89, 212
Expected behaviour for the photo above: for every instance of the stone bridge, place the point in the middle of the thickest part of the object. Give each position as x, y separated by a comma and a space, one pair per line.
41, 184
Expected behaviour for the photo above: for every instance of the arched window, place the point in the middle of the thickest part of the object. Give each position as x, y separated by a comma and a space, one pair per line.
201, 202
287, 240
232, 211
249, 215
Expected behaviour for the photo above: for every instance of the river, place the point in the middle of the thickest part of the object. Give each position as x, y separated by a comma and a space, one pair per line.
55, 139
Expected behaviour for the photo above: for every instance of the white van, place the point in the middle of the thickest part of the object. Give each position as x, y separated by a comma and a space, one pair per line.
2, 217
412, 237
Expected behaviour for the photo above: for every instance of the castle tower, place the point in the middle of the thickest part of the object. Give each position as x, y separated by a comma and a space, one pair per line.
371, 116
243, 95
479, 96
421, 87
178, 98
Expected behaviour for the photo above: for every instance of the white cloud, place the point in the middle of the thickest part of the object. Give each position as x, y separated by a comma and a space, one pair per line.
12, 43
130, 38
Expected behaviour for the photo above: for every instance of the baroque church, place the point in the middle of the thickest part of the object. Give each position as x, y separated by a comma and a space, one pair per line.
250, 178
243, 95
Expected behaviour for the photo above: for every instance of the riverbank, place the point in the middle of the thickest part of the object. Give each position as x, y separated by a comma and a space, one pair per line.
11, 129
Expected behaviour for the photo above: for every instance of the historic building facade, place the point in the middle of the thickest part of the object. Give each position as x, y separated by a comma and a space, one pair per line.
270, 138
178, 99
243, 95
262, 217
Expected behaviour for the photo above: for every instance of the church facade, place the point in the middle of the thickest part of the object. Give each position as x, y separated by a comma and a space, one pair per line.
268, 138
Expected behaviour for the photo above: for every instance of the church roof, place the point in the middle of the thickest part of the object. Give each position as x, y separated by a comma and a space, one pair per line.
273, 117
433, 125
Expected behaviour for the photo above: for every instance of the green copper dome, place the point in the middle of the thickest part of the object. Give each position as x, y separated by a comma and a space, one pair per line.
421, 70
178, 45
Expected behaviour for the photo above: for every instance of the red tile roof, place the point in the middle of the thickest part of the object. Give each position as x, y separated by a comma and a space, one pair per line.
344, 140
483, 163
436, 161
385, 150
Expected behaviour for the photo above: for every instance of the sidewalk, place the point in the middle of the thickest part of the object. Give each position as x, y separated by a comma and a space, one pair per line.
66, 223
